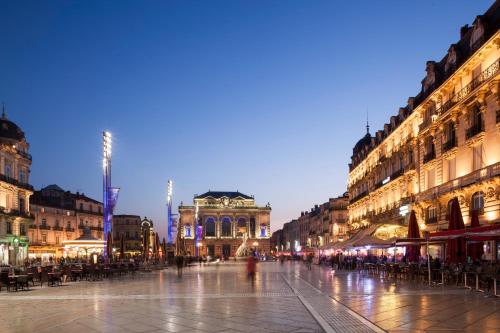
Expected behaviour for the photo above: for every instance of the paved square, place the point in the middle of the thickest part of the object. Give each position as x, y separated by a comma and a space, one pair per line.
220, 298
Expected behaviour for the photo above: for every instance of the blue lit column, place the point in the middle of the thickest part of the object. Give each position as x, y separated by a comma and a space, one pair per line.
106, 167
170, 189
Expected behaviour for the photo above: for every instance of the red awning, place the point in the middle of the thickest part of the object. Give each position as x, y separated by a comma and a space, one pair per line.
485, 232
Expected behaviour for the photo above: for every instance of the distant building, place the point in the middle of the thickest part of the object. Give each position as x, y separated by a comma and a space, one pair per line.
130, 226
60, 216
225, 219
15, 192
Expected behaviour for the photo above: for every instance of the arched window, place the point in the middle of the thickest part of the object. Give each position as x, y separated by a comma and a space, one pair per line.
210, 227
478, 202
263, 230
226, 227
242, 227
187, 230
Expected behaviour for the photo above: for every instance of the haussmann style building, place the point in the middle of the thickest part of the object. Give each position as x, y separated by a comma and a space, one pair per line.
65, 224
15, 192
444, 143
218, 222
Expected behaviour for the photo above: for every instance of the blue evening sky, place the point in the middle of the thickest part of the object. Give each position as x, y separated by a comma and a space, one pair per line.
264, 97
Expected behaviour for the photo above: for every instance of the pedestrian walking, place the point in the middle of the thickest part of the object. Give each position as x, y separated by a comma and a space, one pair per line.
251, 267
179, 260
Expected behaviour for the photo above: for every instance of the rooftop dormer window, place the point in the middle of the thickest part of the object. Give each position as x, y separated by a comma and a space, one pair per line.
477, 34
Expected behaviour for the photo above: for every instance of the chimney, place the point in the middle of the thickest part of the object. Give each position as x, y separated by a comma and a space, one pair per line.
464, 30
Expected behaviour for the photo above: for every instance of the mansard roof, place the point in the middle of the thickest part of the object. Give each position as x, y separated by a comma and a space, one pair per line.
471, 39
221, 194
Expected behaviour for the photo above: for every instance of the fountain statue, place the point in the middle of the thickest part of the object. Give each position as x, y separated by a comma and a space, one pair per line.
243, 250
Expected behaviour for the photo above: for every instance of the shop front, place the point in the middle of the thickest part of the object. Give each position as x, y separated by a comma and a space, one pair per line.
13, 250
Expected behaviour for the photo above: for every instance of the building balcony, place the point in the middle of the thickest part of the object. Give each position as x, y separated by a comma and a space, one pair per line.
91, 212
425, 124
70, 229
97, 228
44, 227
359, 196
15, 182
450, 144
15, 212
469, 179
474, 130
24, 154
431, 220
57, 228
429, 156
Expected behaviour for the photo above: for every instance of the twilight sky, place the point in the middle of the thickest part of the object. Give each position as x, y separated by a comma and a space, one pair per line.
264, 97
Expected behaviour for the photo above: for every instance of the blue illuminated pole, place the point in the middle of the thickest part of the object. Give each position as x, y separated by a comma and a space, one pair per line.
106, 166
170, 189
196, 241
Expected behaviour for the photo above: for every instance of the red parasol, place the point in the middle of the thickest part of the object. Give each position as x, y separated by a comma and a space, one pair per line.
157, 245
122, 246
475, 249
109, 246
145, 243
413, 251
455, 250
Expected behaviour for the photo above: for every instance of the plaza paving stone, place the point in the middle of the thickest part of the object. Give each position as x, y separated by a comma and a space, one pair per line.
219, 298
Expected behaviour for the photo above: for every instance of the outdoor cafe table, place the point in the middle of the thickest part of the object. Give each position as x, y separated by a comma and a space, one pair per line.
15, 278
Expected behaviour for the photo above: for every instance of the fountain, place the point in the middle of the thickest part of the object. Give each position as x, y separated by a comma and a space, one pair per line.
243, 250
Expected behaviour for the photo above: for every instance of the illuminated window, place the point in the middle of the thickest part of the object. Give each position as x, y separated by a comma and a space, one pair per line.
263, 230
431, 214
9, 227
477, 157
226, 227
478, 202
187, 230
210, 227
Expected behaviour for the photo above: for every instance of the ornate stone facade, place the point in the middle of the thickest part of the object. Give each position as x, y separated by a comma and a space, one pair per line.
61, 216
222, 220
15, 191
445, 143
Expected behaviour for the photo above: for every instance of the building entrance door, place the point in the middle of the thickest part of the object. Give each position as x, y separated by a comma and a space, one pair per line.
226, 250
210, 251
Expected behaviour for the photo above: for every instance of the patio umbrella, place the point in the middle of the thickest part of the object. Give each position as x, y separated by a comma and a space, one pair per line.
164, 249
475, 249
413, 251
145, 244
157, 243
109, 246
455, 250
122, 246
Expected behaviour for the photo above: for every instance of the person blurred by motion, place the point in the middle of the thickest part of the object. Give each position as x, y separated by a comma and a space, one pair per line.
179, 260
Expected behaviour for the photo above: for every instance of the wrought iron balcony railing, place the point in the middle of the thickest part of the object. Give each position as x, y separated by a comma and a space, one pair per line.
431, 220
485, 75
359, 196
24, 154
16, 182
429, 156
450, 144
474, 130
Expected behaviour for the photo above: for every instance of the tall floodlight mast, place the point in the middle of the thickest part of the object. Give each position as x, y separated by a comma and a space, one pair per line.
170, 190
106, 168
109, 194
